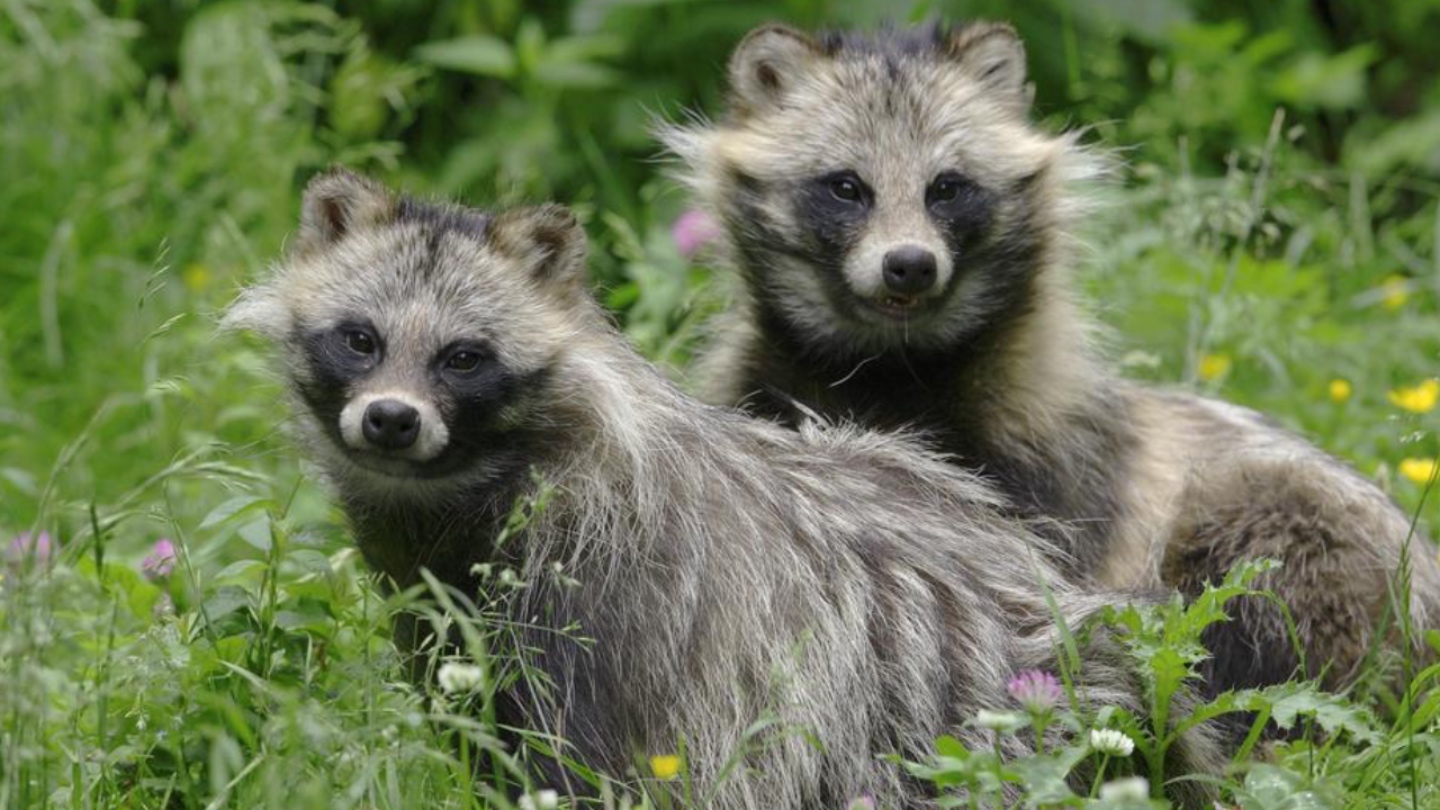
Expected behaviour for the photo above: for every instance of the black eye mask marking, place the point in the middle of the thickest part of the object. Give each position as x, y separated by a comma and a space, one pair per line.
345, 351
473, 378
831, 211
471, 403
336, 357
959, 207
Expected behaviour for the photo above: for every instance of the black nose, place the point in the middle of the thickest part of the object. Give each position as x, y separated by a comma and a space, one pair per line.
391, 424
909, 270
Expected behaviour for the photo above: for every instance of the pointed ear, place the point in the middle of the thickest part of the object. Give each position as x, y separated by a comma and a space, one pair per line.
766, 63
337, 203
548, 238
993, 55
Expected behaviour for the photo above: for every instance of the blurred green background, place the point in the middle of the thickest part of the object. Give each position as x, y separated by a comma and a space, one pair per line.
1274, 238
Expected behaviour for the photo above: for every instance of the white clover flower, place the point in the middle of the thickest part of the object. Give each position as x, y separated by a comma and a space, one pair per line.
1000, 721
540, 800
1128, 789
1110, 741
458, 678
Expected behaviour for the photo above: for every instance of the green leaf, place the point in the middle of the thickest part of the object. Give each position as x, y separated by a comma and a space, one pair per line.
1289, 701
576, 75
238, 505
585, 48
310, 561
240, 571
948, 746
256, 532
1268, 787
481, 55
1331, 82
225, 601
1044, 776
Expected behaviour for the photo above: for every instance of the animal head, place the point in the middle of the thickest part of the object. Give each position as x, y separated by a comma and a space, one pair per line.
418, 339
882, 190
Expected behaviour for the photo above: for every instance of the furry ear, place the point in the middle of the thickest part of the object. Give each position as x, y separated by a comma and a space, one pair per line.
765, 63
548, 237
337, 203
994, 55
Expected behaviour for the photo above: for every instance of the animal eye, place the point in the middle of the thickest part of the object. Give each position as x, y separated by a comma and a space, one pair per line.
945, 189
463, 361
360, 341
846, 188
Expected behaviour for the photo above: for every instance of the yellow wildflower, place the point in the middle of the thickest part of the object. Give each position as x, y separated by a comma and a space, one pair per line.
1418, 470
1214, 366
1417, 399
665, 766
196, 278
1340, 390
1397, 290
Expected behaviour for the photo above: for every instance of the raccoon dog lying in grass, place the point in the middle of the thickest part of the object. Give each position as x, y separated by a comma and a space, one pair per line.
442, 360
901, 235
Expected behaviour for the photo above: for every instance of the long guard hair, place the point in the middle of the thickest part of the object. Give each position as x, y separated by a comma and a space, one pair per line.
848, 583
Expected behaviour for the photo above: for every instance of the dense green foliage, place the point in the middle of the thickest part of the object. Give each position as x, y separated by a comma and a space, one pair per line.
1274, 238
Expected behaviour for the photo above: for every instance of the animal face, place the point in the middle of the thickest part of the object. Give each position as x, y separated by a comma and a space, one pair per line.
881, 190
418, 337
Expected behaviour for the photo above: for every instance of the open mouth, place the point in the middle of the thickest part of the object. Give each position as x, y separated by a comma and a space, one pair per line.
896, 306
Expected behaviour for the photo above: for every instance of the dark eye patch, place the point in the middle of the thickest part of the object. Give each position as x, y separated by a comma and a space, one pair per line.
959, 205
472, 376
343, 352
334, 364
361, 341
463, 362
832, 210
846, 189
464, 359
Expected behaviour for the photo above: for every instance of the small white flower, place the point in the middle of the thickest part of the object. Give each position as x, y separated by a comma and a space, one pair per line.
1110, 741
1129, 789
459, 678
999, 721
540, 800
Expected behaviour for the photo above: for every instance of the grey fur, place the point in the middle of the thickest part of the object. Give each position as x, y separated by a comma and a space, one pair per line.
854, 584
997, 364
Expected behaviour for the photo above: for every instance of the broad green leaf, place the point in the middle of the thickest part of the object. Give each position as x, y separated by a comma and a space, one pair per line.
237, 505
481, 55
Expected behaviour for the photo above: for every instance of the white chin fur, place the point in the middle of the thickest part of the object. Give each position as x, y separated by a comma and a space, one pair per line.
434, 435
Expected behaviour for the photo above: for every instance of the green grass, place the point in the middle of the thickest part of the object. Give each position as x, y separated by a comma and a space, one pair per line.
151, 162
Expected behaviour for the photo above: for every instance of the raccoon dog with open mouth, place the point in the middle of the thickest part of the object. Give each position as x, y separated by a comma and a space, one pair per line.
444, 362
901, 236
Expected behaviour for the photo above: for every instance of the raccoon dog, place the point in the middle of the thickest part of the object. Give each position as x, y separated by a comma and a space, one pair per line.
441, 360
901, 233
